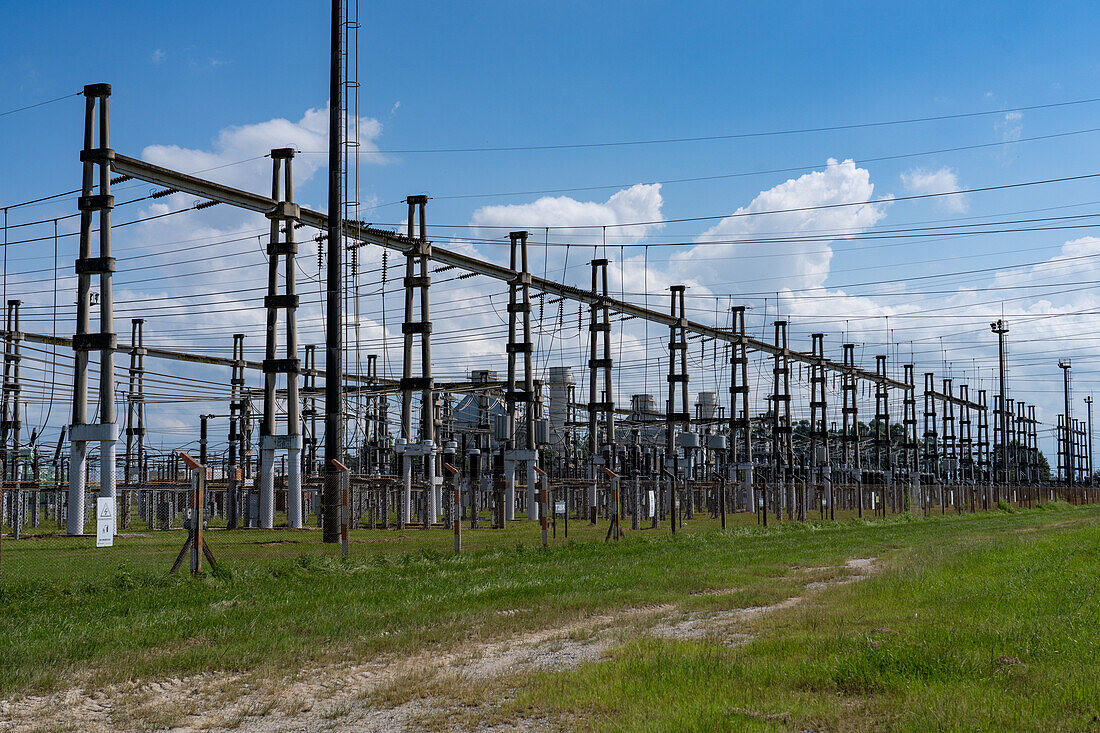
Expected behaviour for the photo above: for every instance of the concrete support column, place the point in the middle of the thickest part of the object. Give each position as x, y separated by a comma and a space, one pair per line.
267, 488
406, 493
509, 490
294, 488
78, 462
532, 502
435, 492
107, 469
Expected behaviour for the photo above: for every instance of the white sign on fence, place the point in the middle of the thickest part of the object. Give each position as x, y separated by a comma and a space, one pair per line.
652, 504
104, 521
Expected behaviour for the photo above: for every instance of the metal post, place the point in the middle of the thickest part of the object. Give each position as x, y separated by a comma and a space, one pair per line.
909, 421
882, 433
850, 427
984, 465
601, 412
236, 408
819, 426
966, 444
1088, 462
12, 398
519, 342
334, 287
782, 447
132, 406
1000, 327
677, 376
1065, 366
950, 454
282, 244
417, 255
740, 419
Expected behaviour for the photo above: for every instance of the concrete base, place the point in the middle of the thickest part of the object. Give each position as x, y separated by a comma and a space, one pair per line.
78, 464
267, 489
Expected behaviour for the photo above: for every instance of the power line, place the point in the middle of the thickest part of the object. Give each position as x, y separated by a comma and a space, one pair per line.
772, 171
40, 104
742, 214
742, 135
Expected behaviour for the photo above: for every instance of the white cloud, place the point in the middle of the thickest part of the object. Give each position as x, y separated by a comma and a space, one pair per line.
639, 203
922, 181
1010, 127
158, 56
222, 161
813, 203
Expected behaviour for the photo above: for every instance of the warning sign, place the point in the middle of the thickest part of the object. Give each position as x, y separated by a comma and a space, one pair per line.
104, 521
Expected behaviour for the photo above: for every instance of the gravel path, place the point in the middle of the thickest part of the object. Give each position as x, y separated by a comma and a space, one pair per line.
343, 697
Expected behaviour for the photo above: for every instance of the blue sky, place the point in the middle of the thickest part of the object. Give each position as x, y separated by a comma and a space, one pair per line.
446, 75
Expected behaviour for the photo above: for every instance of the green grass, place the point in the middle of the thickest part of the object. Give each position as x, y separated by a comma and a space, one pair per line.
930, 641
991, 628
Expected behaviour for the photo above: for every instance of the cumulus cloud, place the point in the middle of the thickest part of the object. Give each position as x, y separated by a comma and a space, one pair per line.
923, 181
838, 200
575, 219
213, 262
249, 143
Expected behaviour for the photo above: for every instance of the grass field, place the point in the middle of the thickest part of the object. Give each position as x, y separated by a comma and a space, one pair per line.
970, 622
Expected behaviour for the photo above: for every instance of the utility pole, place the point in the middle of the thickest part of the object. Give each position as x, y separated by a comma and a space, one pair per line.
677, 377
909, 421
739, 404
882, 433
281, 245
849, 436
819, 426
782, 451
1000, 327
236, 429
93, 203
601, 413
519, 309
1067, 447
334, 314
1088, 402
